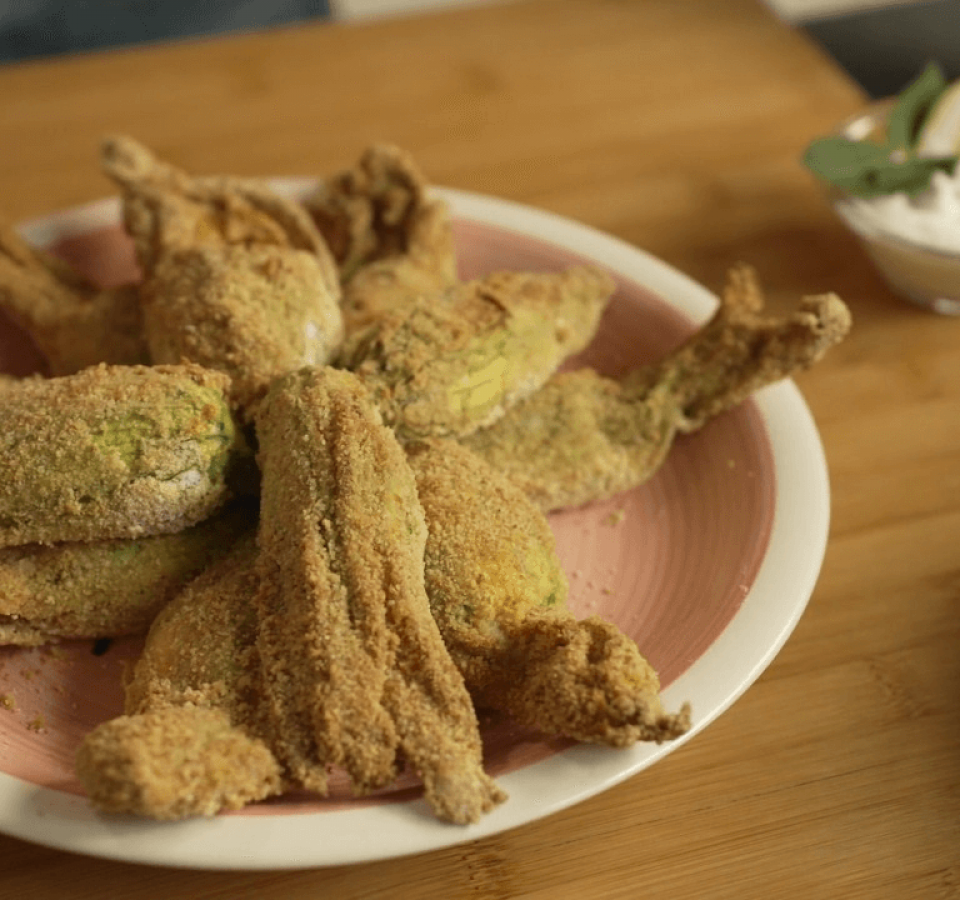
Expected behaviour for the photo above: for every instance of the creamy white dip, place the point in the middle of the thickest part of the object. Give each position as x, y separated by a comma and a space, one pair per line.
931, 219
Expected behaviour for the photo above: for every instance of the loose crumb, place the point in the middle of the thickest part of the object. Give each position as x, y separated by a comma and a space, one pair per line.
38, 724
8, 701
616, 517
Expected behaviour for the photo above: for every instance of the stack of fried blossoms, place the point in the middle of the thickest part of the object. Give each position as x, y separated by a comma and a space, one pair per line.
313, 467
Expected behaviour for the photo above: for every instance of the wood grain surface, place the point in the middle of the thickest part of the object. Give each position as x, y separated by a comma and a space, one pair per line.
676, 126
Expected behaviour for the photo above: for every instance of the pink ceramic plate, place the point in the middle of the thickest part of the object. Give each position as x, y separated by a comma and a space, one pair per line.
708, 567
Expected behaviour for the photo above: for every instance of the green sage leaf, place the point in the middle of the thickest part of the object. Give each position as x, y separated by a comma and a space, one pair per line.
864, 169
873, 168
913, 106
843, 162
913, 176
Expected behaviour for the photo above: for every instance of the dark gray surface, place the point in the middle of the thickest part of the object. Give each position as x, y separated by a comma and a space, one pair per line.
38, 28
883, 49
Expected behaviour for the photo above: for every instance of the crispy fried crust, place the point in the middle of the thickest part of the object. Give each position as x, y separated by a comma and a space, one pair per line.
237, 278
580, 438
175, 762
391, 240
497, 592
167, 210
741, 349
73, 324
105, 588
252, 312
192, 740
585, 437
114, 451
353, 662
490, 558
201, 647
450, 364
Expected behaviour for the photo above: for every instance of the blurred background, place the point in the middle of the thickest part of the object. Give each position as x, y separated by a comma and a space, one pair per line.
882, 44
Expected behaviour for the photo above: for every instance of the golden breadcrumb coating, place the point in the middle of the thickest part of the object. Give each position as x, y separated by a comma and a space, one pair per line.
95, 589
165, 209
354, 665
252, 312
114, 451
449, 364
392, 241
585, 437
175, 762
73, 323
192, 740
498, 594
236, 277
201, 649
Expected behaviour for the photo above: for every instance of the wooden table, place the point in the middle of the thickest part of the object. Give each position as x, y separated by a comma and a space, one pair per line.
676, 126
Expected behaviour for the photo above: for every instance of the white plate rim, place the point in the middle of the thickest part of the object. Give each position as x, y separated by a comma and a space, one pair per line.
769, 613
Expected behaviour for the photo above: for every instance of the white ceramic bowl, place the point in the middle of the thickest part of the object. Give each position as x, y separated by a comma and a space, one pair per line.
925, 275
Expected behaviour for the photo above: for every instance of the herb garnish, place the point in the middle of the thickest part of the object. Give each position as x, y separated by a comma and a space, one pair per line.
872, 168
